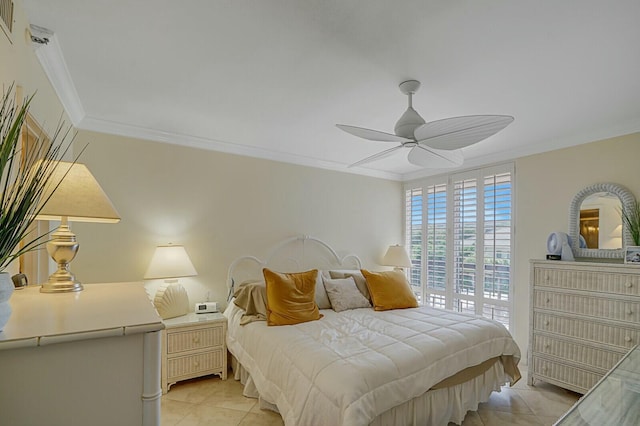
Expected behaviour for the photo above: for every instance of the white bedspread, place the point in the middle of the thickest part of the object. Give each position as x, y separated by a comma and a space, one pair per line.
349, 367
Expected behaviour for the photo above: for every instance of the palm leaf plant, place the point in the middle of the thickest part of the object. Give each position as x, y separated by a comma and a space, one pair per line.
24, 178
631, 219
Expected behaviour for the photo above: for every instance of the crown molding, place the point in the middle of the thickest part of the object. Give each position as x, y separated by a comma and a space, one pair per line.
55, 67
109, 127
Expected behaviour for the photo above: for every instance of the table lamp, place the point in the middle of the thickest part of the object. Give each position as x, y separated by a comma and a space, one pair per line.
397, 257
77, 198
170, 262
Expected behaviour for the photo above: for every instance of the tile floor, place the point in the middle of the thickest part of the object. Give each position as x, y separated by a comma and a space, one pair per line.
211, 401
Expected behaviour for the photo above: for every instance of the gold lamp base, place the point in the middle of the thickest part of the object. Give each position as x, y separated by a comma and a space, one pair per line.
62, 248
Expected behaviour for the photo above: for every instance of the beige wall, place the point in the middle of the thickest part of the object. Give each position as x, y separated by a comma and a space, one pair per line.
222, 206
545, 186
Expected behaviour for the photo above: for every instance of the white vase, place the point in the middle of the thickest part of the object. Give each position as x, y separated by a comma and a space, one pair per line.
6, 290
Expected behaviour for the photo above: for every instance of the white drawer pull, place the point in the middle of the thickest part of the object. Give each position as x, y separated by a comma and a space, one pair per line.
627, 339
628, 284
546, 322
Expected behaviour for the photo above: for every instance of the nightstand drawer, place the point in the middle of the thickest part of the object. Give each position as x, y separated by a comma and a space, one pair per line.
182, 341
193, 364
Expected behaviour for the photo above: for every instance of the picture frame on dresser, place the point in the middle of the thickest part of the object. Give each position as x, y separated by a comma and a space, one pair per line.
632, 255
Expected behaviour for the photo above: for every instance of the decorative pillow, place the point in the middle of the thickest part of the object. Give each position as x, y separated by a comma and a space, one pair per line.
252, 298
357, 276
290, 297
389, 290
321, 298
344, 294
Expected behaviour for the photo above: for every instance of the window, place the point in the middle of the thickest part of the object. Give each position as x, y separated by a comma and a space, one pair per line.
459, 232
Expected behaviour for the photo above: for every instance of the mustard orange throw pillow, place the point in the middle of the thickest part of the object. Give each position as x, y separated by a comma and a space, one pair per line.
291, 297
389, 290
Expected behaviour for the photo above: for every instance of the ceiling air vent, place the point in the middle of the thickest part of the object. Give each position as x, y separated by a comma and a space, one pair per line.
6, 16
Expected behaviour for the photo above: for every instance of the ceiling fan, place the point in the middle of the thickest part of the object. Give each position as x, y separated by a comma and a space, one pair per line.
437, 144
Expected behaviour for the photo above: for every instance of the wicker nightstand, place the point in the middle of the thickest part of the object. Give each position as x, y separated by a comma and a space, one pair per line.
193, 345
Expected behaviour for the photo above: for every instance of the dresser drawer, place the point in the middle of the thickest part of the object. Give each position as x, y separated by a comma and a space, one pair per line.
194, 364
568, 376
607, 282
575, 352
182, 341
589, 305
593, 331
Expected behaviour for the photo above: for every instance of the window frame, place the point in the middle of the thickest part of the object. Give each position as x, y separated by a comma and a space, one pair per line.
480, 174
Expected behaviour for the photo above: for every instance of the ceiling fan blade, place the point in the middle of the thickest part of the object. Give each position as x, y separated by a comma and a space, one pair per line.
458, 132
372, 135
377, 156
424, 156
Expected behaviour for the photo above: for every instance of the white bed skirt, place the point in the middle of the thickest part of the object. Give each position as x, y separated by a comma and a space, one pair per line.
433, 408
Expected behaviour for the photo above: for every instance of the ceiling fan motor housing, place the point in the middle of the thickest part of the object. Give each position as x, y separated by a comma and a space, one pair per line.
408, 123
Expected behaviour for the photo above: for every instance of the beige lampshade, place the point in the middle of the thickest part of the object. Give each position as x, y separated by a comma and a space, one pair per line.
396, 256
170, 261
79, 197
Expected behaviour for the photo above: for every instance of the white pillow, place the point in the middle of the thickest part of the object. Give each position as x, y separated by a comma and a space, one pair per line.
361, 283
321, 298
344, 294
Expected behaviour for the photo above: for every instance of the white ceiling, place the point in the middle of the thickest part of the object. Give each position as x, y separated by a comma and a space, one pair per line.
271, 78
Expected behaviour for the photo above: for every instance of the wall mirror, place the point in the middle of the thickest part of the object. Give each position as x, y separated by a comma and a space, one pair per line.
595, 224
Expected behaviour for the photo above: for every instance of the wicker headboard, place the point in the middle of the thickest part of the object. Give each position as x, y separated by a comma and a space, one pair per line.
294, 254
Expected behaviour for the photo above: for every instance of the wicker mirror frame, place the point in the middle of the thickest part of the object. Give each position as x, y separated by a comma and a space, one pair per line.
626, 200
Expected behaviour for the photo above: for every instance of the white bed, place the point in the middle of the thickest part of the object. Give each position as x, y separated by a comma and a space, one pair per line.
362, 367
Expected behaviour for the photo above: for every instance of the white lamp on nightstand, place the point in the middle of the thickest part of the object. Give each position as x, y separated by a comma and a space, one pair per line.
397, 257
170, 262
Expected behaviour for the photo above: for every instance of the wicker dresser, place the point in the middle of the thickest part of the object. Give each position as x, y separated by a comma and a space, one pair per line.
584, 317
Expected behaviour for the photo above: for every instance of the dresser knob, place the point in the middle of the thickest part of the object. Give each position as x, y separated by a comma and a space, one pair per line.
627, 339
629, 312
546, 322
547, 345
546, 278
547, 300
196, 363
196, 340
628, 284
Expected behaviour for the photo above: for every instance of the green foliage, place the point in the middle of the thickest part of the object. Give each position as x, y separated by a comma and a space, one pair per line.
631, 219
24, 176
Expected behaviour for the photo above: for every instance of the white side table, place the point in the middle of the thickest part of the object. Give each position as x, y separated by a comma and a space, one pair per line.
193, 345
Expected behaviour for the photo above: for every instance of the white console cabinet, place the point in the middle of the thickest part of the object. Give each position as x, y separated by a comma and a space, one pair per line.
85, 358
